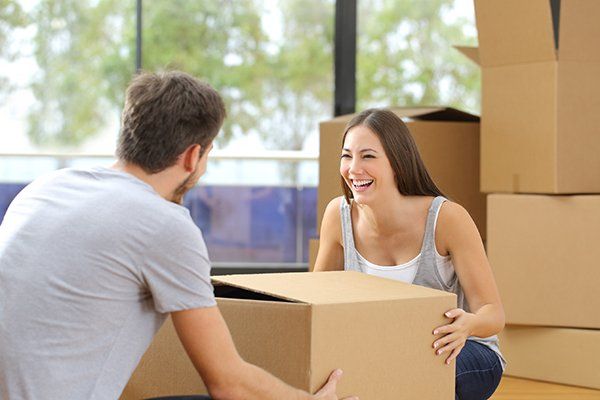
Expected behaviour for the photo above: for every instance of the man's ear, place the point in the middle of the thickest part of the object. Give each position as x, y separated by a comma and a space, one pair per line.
190, 157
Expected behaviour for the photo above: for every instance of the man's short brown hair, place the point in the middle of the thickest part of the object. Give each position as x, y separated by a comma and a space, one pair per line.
164, 114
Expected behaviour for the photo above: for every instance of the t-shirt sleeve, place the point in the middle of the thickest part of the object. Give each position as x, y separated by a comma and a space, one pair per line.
177, 269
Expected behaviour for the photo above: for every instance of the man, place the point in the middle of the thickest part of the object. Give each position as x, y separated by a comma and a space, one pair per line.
92, 261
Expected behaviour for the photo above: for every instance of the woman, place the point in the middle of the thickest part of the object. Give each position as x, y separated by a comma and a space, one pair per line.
394, 222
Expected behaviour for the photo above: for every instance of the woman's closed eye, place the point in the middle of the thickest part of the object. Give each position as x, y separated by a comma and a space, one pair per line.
346, 155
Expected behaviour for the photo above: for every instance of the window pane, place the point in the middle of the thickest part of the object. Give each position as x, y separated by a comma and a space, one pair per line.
405, 54
271, 60
70, 61
66, 65
273, 63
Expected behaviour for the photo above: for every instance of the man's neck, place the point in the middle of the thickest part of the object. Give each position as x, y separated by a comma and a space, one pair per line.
161, 182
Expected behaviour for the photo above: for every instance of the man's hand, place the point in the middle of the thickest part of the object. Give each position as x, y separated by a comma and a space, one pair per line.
455, 334
207, 340
328, 391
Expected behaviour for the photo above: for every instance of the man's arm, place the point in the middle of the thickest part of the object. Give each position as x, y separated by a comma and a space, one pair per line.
209, 345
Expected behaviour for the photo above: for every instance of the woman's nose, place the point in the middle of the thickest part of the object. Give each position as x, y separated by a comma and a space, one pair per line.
355, 166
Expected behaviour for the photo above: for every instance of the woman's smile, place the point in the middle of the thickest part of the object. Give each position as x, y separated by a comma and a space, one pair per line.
360, 185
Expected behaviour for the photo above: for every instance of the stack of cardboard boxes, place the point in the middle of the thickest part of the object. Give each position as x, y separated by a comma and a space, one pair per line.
540, 164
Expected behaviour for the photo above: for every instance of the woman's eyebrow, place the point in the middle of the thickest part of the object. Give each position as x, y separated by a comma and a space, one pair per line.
361, 151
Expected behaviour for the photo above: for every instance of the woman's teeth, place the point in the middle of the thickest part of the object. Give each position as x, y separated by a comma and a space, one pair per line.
362, 183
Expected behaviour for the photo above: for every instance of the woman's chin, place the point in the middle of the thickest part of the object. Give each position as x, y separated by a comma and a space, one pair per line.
362, 198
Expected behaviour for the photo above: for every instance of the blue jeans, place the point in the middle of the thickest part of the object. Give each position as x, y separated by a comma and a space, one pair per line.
478, 372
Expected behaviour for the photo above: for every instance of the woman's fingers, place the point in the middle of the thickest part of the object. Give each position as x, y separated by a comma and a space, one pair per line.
451, 345
445, 329
444, 340
454, 337
454, 313
454, 354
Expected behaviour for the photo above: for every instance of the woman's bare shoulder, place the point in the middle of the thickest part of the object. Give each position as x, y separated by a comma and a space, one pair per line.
333, 208
455, 224
452, 212
331, 223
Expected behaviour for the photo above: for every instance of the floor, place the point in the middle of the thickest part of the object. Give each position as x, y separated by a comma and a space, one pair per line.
523, 389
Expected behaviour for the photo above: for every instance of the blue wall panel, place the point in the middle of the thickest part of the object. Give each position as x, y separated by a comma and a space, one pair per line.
254, 224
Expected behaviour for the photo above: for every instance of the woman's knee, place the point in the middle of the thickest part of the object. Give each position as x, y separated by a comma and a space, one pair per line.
478, 372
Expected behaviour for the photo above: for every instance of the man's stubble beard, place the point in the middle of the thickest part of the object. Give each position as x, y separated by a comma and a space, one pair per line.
185, 186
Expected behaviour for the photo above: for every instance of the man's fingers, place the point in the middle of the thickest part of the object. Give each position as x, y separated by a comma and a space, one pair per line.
330, 387
331, 384
335, 376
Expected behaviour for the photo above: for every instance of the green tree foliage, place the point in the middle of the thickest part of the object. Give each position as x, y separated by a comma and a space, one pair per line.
300, 83
268, 84
84, 58
222, 42
278, 85
12, 18
406, 57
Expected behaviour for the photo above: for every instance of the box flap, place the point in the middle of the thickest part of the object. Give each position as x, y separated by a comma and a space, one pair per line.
327, 287
434, 114
514, 31
579, 30
342, 119
431, 113
472, 53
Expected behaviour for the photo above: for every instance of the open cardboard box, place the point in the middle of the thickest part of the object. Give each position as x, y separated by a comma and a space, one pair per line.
540, 125
448, 141
301, 326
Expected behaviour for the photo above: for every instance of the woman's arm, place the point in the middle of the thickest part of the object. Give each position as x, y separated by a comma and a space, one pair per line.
457, 234
331, 253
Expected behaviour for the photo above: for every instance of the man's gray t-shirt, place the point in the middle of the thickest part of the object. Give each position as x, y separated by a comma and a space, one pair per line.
90, 263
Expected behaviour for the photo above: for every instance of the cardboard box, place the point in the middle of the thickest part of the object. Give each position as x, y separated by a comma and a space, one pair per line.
540, 95
301, 326
568, 356
164, 370
448, 141
313, 250
544, 252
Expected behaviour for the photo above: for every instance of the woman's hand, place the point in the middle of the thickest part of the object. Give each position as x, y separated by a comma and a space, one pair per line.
455, 334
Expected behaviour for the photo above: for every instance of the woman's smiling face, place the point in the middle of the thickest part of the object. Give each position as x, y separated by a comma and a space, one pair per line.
365, 166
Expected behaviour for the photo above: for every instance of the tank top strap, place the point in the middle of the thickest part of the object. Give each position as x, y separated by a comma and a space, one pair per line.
428, 246
350, 257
